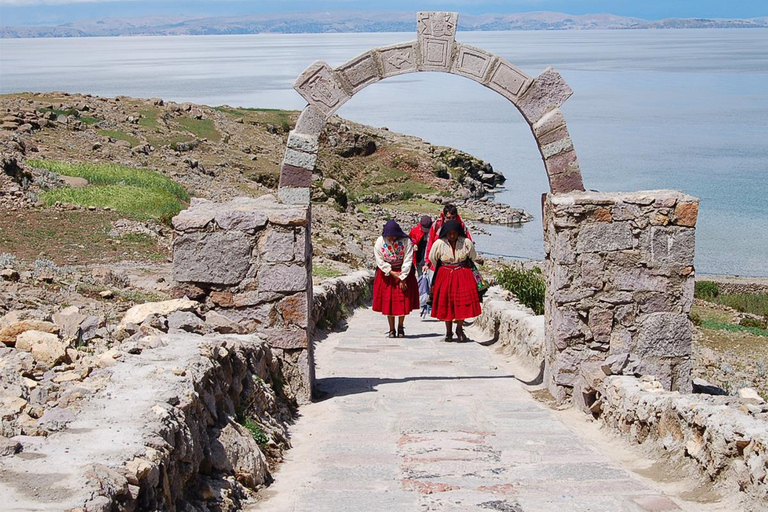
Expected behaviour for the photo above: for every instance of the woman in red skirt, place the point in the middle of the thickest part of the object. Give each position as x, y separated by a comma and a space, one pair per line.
395, 292
454, 289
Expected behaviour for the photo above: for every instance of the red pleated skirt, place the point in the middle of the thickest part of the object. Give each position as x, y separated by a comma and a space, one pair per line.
454, 294
389, 299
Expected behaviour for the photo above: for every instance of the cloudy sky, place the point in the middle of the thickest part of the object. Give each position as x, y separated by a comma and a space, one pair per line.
25, 12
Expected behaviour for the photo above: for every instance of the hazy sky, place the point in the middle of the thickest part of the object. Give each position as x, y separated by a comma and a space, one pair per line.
18, 12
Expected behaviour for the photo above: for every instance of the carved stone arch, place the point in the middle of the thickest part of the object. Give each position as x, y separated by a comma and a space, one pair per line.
326, 89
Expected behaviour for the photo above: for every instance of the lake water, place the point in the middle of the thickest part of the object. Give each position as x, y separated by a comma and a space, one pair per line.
679, 109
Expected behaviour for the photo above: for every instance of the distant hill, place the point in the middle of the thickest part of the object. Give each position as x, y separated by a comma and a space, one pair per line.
356, 21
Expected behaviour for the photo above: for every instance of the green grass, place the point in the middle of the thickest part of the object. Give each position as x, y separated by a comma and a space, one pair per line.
202, 128
149, 118
277, 117
256, 431
323, 271
89, 120
138, 202
705, 290
119, 135
114, 174
527, 285
754, 303
60, 112
141, 193
724, 326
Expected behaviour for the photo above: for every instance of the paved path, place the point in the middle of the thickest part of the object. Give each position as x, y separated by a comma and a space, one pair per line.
416, 424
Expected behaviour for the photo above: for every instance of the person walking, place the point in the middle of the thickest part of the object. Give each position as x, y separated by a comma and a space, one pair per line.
395, 292
450, 212
454, 288
419, 237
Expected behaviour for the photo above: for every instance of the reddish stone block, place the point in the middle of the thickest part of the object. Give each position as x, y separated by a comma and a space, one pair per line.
294, 310
553, 136
561, 163
295, 177
686, 214
222, 299
566, 182
602, 215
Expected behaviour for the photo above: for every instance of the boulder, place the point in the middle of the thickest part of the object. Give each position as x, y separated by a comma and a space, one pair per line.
235, 451
185, 321
68, 320
10, 332
217, 322
46, 348
137, 314
9, 447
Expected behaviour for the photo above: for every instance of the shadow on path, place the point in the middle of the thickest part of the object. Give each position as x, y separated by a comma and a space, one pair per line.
331, 387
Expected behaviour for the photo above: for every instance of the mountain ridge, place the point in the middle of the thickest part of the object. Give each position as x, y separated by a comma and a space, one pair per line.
356, 21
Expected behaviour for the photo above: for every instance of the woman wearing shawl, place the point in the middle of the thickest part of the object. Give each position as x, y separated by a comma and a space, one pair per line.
454, 288
395, 293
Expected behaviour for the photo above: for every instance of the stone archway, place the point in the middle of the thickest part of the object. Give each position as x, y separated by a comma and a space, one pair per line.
326, 89
619, 270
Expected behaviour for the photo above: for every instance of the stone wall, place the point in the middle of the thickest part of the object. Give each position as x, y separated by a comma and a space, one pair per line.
249, 261
515, 329
724, 439
166, 433
620, 281
334, 297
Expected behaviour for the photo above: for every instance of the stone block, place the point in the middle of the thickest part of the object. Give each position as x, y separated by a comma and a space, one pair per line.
240, 217
559, 133
291, 195
283, 278
222, 299
294, 310
398, 59
549, 122
295, 177
277, 246
686, 213
567, 181
360, 71
222, 257
637, 279
561, 249
558, 146
286, 338
509, 81
188, 220
547, 92
592, 267
472, 62
561, 163
217, 322
672, 245
289, 215
311, 121
436, 33
308, 143
663, 335
303, 245
321, 88
299, 159
601, 324
604, 237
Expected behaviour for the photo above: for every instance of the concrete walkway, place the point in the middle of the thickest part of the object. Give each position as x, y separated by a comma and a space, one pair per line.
416, 424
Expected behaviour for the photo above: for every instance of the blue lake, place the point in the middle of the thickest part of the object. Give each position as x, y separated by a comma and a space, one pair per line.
678, 109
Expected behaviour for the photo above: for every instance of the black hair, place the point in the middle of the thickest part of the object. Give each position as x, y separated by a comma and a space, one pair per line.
450, 209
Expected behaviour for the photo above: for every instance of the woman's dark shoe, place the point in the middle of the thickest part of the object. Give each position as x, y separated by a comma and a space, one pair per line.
391, 334
449, 337
400, 332
461, 337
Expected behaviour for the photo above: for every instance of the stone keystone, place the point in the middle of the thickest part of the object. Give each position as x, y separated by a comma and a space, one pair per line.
321, 88
436, 34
